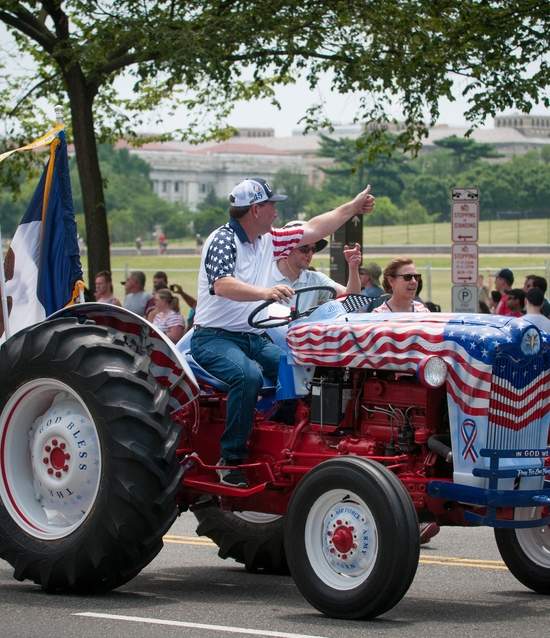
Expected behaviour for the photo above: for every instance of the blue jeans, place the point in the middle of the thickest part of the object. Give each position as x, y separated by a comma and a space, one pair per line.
240, 359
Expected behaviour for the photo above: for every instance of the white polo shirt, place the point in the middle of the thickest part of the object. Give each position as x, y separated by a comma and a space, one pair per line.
306, 278
227, 252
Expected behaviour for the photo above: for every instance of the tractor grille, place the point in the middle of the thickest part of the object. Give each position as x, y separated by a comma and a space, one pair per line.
519, 401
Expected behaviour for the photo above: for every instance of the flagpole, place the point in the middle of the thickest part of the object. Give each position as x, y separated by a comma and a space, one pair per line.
3, 291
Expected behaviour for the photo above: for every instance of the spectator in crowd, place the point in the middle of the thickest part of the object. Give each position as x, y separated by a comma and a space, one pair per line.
189, 300
483, 295
139, 243
234, 276
401, 280
432, 307
136, 299
104, 288
534, 281
163, 243
516, 302
504, 280
534, 300
370, 280
168, 318
160, 280
293, 270
495, 299
199, 241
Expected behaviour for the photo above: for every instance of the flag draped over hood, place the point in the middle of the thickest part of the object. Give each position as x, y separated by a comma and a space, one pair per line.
42, 267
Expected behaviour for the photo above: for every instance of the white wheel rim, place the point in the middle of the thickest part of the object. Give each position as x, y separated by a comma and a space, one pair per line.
257, 518
534, 541
341, 539
50, 459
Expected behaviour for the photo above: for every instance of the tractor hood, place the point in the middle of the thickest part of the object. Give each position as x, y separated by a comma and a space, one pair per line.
400, 341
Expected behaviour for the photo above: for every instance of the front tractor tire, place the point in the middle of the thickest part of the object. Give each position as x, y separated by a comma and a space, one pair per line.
351, 538
526, 552
87, 457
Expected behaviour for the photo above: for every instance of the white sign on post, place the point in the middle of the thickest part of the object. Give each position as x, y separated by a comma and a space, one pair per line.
464, 221
465, 299
465, 194
464, 260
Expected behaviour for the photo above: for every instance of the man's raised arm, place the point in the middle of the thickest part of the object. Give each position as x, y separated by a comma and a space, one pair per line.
327, 223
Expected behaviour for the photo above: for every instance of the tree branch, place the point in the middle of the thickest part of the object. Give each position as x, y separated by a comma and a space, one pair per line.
24, 21
28, 93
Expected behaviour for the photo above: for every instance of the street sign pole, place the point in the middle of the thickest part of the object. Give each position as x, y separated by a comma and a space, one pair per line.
464, 249
350, 233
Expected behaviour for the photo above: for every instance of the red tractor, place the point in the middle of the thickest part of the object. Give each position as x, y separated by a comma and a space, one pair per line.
108, 432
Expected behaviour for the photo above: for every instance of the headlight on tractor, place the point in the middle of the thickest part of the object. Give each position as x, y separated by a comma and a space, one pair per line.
432, 372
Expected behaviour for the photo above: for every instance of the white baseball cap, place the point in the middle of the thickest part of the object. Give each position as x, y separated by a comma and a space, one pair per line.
253, 190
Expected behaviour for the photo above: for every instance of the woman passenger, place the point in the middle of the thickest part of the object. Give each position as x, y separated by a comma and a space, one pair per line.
402, 281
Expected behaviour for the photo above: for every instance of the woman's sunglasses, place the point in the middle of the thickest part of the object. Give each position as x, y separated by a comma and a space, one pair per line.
306, 249
410, 276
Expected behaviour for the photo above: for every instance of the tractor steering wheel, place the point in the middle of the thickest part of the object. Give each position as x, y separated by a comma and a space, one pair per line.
287, 313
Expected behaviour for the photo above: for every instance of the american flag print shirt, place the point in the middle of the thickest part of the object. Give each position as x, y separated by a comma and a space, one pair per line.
228, 252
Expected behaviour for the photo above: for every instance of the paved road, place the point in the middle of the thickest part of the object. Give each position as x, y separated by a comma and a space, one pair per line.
461, 589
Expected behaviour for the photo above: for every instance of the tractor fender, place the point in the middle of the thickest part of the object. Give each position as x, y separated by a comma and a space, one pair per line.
165, 363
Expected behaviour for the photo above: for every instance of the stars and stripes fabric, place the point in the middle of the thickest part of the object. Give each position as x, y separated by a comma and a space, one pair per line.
42, 264
228, 252
221, 255
167, 368
397, 342
496, 397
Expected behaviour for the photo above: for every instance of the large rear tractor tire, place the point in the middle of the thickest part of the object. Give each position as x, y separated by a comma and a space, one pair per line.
251, 538
87, 457
351, 538
526, 552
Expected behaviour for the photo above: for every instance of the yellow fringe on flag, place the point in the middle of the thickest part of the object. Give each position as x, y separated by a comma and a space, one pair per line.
77, 294
44, 140
48, 181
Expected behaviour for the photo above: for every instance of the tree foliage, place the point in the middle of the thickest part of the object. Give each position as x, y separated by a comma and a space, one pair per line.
196, 54
466, 151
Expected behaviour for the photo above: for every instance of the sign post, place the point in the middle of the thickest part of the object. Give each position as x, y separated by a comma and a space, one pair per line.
464, 251
350, 233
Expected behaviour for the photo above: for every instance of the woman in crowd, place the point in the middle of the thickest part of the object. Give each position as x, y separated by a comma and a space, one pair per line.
402, 281
167, 317
104, 288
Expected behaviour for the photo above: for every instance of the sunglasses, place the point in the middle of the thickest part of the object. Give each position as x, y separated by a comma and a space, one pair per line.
410, 276
306, 249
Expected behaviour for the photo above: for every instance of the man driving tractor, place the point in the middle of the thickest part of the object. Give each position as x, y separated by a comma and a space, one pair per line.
234, 275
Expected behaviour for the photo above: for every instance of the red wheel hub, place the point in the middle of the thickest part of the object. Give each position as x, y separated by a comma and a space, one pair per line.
342, 538
56, 457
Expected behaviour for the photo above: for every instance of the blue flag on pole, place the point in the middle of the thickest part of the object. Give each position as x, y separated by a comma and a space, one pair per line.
42, 264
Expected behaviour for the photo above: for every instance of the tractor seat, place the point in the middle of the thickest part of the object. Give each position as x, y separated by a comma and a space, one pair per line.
202, 375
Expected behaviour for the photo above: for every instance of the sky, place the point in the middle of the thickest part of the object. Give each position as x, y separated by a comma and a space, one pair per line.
294, 99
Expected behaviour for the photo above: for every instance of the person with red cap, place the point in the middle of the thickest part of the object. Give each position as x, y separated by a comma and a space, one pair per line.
293, 270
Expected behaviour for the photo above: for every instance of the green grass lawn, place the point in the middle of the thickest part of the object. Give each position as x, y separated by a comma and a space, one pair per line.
508, 232
524, 231
182, 269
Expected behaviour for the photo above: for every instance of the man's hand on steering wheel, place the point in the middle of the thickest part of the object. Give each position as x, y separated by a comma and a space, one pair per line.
293, 313
280, 293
